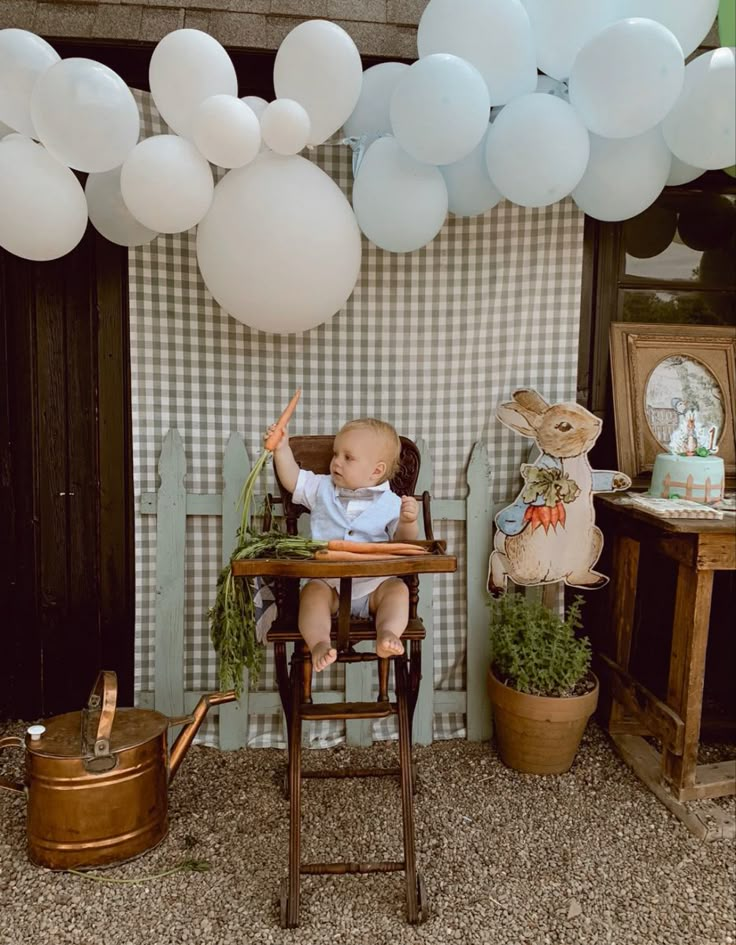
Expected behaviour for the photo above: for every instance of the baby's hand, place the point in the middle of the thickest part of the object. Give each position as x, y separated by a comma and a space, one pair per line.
283, 440
409, 509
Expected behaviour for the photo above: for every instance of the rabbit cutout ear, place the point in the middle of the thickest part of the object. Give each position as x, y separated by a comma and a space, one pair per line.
530, 400
520, 419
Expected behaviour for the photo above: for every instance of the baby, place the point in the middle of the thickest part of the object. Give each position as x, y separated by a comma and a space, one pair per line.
354, 503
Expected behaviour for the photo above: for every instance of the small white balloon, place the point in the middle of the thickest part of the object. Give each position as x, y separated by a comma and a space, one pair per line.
624, 175
689, 20
627, 78
561, 29
44, 213
439, 109
257, 104
470, 190
537, 150
188, 66
279, 249
285, 126
372, 114
166, 184
495, 36
319, 66
681, 173
108, 213
23, 58
701, 128
226, 131
400, 204
85, 115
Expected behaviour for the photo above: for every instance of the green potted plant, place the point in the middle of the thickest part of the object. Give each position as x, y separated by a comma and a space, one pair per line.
541, 687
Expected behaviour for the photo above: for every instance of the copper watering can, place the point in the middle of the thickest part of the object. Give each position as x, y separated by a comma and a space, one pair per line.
97, 780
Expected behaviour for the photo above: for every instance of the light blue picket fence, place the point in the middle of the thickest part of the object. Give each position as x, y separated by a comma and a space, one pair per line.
172, 504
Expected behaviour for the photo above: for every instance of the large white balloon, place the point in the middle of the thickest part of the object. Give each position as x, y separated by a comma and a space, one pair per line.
701, 128
285, 126
226, 131
626, 78
109, 214
689, 20
279, 249
23, 58
439, 109
166, 184
682, 173
188, 66
44, 213
5, 130
371, 116
318, 65
624, 175
493, 35
400, 203
562, 27
470, 190
537, 150
85, 115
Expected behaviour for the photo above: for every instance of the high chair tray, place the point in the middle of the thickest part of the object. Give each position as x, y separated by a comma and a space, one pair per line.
434, 563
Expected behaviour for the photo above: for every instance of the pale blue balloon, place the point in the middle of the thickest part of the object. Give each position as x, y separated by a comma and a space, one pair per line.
371, 115
470, 190
399, 203
440, 109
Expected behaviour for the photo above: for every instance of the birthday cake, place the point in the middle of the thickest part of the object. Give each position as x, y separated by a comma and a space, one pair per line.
700, 478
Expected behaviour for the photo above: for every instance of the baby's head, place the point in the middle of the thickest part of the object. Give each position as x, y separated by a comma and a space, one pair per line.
366, 453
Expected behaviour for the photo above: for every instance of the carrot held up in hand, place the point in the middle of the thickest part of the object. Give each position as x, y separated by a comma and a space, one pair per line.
276, 435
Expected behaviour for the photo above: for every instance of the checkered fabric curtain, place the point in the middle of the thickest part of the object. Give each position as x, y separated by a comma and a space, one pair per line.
431, 341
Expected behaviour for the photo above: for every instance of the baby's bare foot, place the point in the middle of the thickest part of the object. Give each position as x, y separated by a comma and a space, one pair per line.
322, 655
388, 644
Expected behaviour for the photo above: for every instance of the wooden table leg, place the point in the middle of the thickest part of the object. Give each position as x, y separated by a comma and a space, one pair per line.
625, 571
687, 671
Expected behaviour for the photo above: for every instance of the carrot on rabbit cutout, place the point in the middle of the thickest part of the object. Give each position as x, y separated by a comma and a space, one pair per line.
549, 534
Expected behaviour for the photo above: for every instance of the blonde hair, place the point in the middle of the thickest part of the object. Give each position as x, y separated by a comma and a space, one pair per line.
389, 440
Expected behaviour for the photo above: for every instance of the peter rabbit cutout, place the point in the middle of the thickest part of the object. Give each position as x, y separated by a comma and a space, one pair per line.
548, 534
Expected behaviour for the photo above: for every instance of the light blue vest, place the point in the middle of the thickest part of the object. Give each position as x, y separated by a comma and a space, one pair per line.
376, 523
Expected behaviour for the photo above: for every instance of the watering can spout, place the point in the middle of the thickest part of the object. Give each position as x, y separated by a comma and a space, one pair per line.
186, 736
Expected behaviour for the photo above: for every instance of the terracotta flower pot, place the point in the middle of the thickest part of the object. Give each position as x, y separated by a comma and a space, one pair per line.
538, 734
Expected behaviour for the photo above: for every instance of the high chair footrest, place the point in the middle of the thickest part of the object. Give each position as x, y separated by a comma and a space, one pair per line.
321, 711
376, 866
353, 773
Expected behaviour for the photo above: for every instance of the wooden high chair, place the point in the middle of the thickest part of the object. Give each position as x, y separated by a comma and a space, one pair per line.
295, 681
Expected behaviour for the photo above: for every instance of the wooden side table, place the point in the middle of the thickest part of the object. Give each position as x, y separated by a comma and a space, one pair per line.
699, 547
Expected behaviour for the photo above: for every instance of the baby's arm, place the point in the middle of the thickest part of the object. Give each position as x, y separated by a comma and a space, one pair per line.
408, 528
283, 460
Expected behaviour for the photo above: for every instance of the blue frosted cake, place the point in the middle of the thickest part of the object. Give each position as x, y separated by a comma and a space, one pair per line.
700, 478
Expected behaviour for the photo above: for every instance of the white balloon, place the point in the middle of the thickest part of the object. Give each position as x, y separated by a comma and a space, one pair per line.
226, 131
682, 173
627, 78
188, 66
318, 65
371, 116
256, 103
285, 126
109, 214
562, 27
166, 184
439, 109
546, 85
279, 249
44, 213
689, 20
493, 35
537, 150
400, 204
470, 190
23, 58
85, 115
624, 175
5, 130
701, 128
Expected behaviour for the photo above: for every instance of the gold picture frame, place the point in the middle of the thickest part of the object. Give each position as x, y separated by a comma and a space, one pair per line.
654, 369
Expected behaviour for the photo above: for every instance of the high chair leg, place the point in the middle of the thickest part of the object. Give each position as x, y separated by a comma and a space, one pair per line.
290, 909
407, 809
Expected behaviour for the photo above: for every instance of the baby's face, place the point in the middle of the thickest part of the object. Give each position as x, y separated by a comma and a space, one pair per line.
356, 459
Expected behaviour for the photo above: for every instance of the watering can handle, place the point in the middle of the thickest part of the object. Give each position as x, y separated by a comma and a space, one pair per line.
103, 699
12, 741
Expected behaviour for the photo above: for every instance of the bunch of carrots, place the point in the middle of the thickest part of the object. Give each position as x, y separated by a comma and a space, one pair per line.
233, 615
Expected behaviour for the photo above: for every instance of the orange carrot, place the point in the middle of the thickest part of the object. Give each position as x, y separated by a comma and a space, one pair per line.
544, 516
376, 547
329, 555
274, 438
554, 516
562, 513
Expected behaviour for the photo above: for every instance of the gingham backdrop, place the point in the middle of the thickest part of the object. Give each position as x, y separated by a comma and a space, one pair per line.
431, 341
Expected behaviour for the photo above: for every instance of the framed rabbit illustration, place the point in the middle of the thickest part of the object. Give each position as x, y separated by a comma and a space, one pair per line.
548, 533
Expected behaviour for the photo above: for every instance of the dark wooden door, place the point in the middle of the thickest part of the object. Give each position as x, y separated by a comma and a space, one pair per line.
65, 479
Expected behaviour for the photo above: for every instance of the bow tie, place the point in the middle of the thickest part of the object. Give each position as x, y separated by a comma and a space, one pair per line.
367, 493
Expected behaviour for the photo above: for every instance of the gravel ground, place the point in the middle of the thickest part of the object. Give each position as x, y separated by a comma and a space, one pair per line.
577, 859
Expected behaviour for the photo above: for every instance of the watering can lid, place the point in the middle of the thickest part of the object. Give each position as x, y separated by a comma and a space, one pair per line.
131, 727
